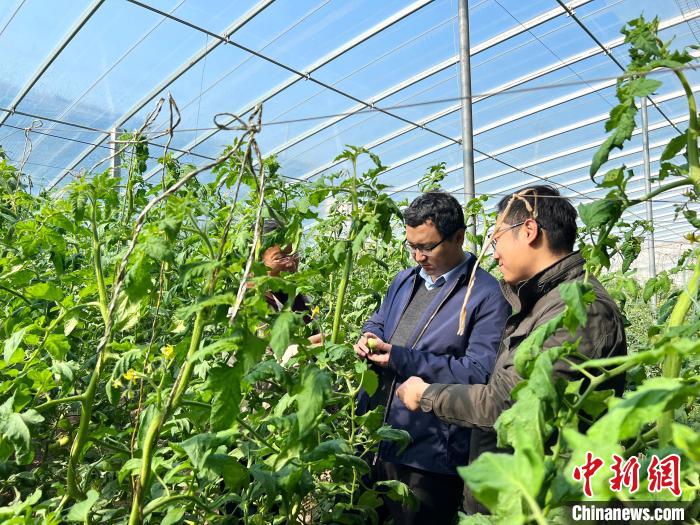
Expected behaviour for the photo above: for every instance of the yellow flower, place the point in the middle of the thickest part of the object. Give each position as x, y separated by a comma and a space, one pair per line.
168, 351
314, 312
130, 375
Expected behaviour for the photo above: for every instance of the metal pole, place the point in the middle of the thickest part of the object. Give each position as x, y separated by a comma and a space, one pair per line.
651, 245
116, 162
467, 128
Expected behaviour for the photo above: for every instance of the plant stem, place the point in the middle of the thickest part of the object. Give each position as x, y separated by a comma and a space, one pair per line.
260, 437
340, 300
17, 294
159, 502
54, 402
80, 437
672, 363
693, 161
162, 415
97, 263
685, 181
347, 268
353, 429
89, 394
185, 373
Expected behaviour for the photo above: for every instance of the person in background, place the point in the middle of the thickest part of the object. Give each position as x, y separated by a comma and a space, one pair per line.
415, 334
281, 259
534, 249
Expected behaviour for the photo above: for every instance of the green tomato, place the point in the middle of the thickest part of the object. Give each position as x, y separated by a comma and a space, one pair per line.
372, 344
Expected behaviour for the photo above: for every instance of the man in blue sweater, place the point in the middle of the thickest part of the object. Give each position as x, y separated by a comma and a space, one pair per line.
415, 332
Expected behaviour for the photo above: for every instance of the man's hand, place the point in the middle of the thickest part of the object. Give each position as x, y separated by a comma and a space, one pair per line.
411, 391
377, 351
316, 339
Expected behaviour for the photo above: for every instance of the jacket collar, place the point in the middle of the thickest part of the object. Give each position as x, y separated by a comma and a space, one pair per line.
525, 294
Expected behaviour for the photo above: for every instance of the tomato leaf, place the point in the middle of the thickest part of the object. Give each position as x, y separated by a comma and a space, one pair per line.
224, 382
81, 510
13, 343
45, 291
310, 398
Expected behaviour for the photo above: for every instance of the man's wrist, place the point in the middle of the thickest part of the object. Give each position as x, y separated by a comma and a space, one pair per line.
430, 395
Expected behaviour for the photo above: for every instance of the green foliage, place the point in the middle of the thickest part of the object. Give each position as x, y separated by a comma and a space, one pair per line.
248, 434
432, 178
554, 422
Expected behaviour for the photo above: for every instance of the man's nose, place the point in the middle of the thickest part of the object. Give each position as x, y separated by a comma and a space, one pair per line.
420, 256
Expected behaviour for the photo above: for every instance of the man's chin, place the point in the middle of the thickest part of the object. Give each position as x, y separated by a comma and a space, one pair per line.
507, 278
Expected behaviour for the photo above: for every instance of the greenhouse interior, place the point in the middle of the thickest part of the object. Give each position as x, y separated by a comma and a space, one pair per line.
324, 261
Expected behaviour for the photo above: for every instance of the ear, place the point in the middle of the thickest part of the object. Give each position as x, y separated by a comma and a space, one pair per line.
530, 230
459, 237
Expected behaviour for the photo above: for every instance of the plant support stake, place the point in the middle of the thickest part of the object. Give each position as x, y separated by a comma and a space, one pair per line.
651, 245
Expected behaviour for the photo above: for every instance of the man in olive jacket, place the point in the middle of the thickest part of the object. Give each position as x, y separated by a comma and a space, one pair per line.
533, 248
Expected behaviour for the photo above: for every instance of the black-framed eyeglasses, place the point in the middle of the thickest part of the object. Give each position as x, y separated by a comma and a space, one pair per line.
425, 250
500, 232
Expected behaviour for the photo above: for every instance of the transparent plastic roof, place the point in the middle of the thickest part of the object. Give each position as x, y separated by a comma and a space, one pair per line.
74, 70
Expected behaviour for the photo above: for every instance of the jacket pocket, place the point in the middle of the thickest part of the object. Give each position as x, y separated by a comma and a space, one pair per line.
457, 445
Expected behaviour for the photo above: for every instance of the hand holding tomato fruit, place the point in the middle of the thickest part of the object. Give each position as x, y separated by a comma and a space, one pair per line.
369, 346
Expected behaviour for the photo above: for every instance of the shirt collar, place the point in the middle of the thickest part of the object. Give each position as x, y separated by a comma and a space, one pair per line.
445, 277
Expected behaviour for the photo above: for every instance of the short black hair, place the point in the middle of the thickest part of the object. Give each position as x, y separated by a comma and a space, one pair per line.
441, 208
555, 215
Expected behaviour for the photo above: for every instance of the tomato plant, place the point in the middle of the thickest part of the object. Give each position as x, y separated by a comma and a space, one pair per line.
141, 373
142, 380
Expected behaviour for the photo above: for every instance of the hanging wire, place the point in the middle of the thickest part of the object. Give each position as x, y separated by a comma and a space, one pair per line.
370, 106
300, 74
241, 126
109, 69
374, 108
609, 53
370, 63
301, 20
12, 17
36, 128
199, 98
568, 197
554, 54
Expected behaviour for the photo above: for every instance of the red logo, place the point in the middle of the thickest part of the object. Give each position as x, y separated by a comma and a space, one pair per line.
665, 474
661, 474
587, 471
626, 474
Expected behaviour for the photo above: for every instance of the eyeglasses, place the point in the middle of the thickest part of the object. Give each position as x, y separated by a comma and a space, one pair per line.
425, 250
502, 231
